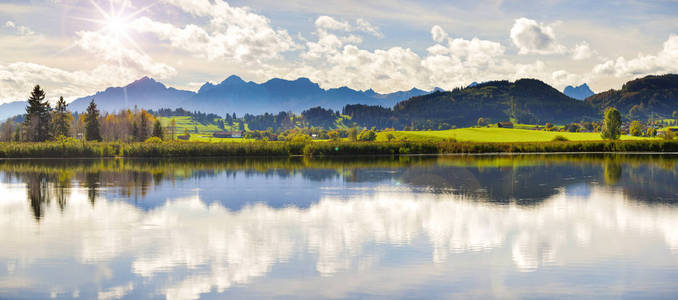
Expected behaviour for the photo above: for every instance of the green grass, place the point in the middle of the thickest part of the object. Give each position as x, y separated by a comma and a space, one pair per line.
495, 135
188, 123
210, 139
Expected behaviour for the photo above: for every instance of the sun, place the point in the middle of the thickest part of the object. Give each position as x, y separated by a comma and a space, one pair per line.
117, 26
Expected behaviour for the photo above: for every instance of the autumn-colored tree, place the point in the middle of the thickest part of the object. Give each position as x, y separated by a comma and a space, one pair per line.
173, 128
636, 128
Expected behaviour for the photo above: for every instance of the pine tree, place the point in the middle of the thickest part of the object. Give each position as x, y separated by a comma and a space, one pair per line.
37, 121
157, 129
143, 127
61, 119
92, 127
135, 131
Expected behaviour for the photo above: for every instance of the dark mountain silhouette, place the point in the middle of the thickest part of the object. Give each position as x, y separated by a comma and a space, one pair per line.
236, 95
231, 95
527, 100
580, 92
642, 97
144, 93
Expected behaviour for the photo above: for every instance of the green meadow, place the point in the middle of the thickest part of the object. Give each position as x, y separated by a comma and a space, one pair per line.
494, 135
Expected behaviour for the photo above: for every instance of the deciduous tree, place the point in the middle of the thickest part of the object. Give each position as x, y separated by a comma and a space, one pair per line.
611, 124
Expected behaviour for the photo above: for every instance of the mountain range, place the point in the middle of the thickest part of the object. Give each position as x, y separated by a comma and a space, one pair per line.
527, 100
579, 92
233, 95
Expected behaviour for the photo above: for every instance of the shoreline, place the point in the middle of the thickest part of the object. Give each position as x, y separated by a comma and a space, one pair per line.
56, 150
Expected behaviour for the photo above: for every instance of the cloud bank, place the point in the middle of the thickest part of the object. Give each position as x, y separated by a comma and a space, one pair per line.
216, 39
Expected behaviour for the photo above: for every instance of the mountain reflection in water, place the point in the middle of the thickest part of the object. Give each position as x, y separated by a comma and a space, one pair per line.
479, 226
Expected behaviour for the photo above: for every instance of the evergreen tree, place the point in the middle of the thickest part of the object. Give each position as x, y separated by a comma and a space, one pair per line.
92, 127
37, 121
611, 124
61, 119
143, 127
135, 131
157, 129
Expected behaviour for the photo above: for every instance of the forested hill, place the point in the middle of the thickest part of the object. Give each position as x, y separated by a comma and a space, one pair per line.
640, 98
526, 100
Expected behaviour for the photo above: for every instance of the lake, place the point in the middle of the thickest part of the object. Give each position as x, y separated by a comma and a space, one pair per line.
530, 226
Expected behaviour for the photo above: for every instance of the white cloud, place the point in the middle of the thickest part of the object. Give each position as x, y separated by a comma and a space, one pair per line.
329, 23
438, 33
665, 61
17, 79
366, 27
448, 64
535, 38
116, 292
562, 78
234, 33
102, 46
19, 29
582, 51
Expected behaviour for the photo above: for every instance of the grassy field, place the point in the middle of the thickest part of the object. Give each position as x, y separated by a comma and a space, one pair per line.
188, 123
495, 135
204, 131
521, 133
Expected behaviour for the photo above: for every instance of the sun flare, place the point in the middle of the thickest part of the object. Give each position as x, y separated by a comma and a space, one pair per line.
117, 26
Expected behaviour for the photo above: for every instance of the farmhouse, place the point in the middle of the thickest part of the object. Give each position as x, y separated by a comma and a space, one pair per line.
227, 134
505, 124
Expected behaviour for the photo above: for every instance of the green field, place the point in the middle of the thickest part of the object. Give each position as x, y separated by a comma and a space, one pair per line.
495, 135
188, 123
204, 131
487, 134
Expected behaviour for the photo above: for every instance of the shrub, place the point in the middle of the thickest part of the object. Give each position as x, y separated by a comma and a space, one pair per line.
153, 140
299, 138
560, 138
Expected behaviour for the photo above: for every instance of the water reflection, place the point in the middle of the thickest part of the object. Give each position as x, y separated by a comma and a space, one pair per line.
428, 226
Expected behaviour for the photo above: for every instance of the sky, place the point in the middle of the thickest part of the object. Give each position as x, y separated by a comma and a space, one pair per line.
73, 48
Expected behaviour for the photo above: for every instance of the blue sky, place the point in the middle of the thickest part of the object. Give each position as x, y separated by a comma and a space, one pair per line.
76, 47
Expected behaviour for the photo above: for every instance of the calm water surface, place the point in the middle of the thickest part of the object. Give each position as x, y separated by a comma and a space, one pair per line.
411, 227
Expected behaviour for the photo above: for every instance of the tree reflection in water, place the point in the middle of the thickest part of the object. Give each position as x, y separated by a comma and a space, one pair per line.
523, 179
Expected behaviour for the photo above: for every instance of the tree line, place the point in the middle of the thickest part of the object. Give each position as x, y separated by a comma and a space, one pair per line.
42, 122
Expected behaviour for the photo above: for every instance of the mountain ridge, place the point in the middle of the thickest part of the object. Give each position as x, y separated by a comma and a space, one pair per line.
649, 96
